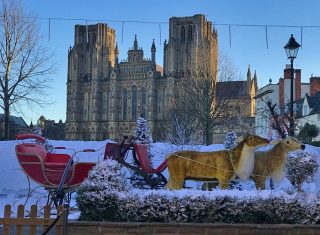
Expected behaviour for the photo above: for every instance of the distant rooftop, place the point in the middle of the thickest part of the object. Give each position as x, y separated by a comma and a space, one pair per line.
17, 120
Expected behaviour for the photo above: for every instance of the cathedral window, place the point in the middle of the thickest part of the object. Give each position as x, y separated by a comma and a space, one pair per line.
134, 102
93, 38
183, 34
155, 103
105, 104
124, 104
86, 107
189, 33
143, 102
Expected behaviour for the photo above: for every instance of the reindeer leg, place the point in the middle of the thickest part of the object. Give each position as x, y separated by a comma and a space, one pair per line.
169, 184
224, 185
174, 183
260, 182
177, 184
224, 180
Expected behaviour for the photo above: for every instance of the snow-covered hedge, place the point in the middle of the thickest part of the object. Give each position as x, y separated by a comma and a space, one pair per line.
98, 194
222, 209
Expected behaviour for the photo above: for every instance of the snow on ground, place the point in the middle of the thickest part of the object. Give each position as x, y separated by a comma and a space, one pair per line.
14, 186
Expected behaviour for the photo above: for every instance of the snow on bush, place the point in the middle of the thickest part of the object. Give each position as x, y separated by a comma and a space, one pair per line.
202, 207
142, 132
229, 141
301, 167
97, 196
143, 137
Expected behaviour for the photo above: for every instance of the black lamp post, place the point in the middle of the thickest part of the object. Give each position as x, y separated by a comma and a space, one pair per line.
291, 48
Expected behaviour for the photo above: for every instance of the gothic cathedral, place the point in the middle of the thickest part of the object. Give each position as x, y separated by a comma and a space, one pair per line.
105, 96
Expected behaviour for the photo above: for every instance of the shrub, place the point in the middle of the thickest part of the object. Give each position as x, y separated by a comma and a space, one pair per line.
301, 167
308, 132
97, 196
229, 141
161, 208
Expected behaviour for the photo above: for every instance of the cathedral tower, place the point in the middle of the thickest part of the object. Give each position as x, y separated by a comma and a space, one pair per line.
90, 62
192, 41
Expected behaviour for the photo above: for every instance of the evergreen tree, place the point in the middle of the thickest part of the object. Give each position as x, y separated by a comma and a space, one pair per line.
229, 141
308, 132
142, 134
301, 167
142, 131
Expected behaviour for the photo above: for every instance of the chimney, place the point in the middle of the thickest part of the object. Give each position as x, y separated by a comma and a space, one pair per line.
297, 83
281, 93
287, 72
314, 85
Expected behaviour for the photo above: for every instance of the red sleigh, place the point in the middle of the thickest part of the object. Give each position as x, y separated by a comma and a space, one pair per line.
57, 172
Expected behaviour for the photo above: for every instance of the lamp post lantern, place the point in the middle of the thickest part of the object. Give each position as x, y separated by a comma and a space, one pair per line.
291, 48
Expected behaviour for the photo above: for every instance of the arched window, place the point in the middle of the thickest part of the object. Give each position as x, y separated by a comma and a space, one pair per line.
86, 106
143, 102
105, 104
134, 102
155, 104
124, 104
105, 134
93, 38
189, 33
183, 35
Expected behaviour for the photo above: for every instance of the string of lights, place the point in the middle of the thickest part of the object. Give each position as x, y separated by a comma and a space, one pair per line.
229, 26
159, 23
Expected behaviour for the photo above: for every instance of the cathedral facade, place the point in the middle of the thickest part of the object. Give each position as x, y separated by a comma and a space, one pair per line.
105, 96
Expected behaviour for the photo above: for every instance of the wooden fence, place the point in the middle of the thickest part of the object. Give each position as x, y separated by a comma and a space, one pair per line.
32, 223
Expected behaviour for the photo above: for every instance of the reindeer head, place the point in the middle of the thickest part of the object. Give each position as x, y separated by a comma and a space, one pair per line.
255, 140
289, 144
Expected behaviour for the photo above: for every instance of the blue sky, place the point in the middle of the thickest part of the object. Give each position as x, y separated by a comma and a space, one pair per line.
248, 44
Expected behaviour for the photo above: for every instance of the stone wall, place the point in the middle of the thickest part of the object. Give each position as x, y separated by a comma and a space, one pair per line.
94, 228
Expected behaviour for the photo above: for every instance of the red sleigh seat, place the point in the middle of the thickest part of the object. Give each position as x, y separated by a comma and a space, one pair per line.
47, 168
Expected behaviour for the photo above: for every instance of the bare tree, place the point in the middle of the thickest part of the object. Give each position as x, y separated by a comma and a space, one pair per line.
24, 63
275, 118
196, 96
181, 132
279, 122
